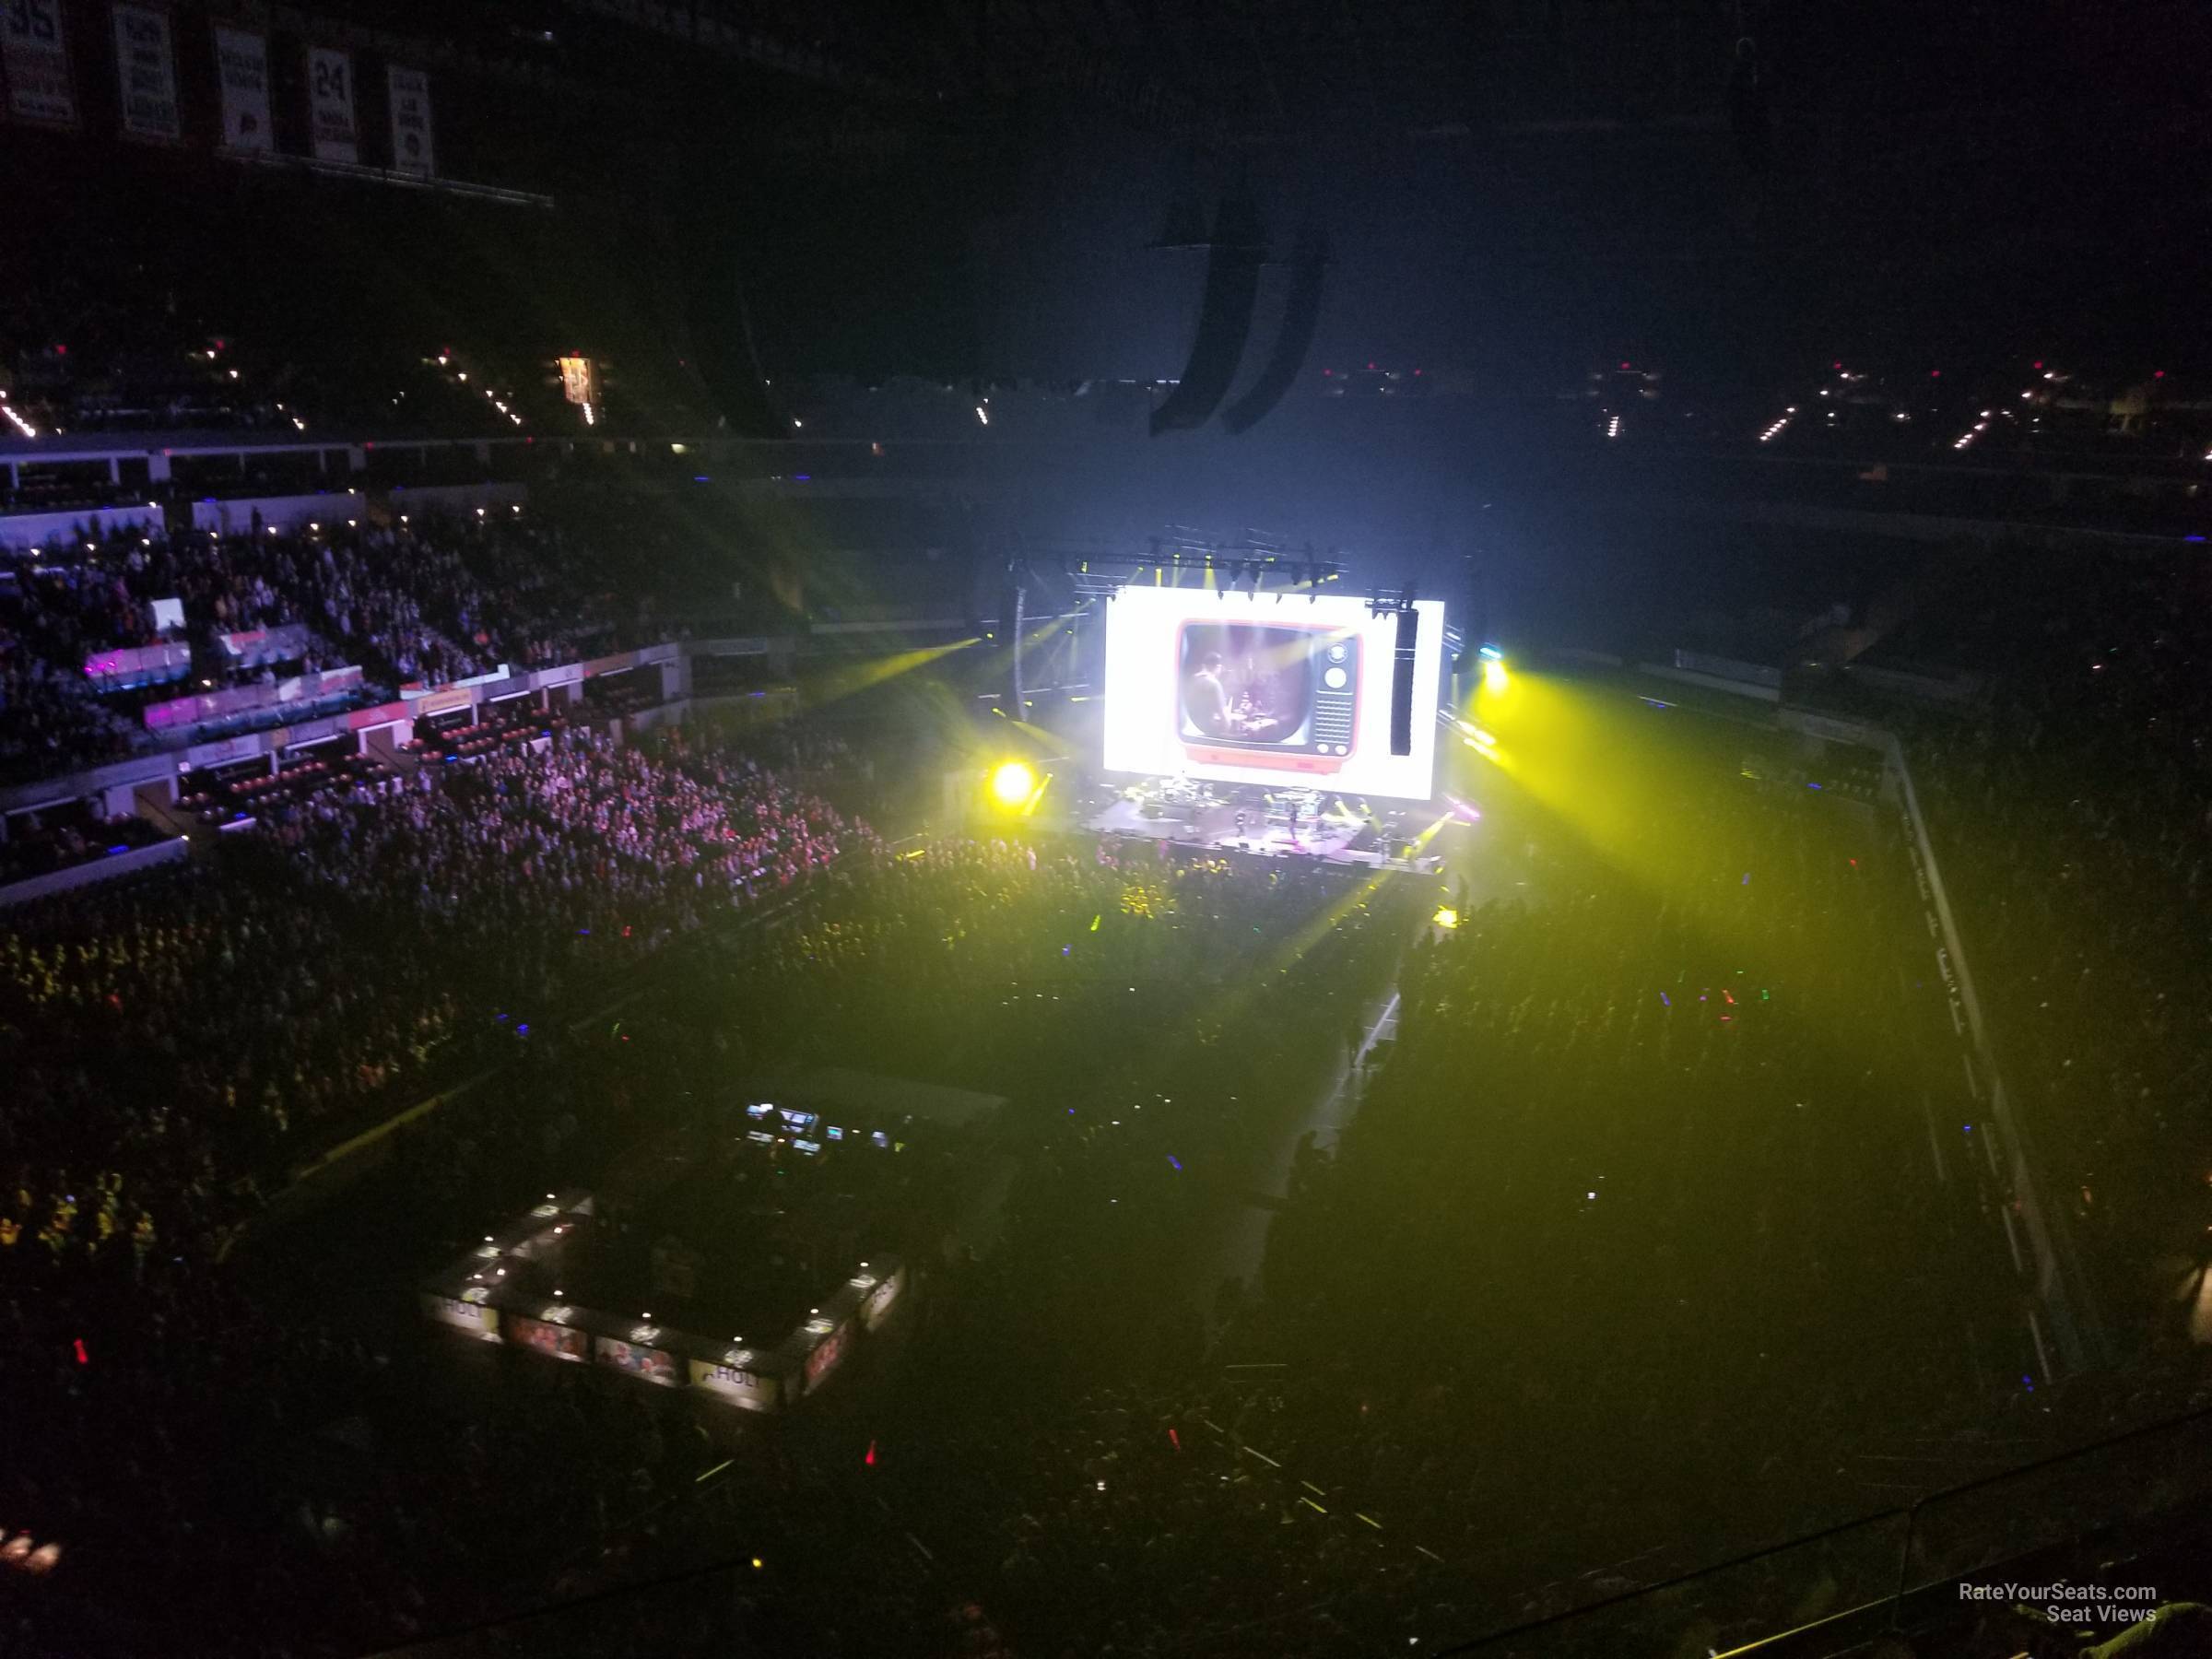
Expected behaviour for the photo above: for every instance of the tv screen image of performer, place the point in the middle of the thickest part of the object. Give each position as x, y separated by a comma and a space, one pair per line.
1206, 700
1245, 683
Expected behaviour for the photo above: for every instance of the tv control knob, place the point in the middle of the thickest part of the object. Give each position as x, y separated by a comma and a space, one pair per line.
1336, 679
1336, 654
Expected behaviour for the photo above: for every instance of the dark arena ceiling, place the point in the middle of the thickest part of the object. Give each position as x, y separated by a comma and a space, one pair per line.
1744, 184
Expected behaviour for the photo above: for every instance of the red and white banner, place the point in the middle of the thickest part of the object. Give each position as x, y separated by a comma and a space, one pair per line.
411, 147
37, 61
241, 65
146, 67
333, 135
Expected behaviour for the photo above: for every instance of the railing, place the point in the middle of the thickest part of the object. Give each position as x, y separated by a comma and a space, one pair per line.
1898, 1570
2061, 1288
1824, 1594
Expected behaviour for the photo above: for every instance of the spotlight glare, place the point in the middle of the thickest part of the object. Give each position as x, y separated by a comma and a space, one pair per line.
1013, 782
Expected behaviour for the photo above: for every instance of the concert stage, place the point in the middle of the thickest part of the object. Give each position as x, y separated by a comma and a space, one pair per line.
1248, 819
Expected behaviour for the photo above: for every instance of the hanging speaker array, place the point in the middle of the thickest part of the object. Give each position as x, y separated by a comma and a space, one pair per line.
1302, 315
1232, 284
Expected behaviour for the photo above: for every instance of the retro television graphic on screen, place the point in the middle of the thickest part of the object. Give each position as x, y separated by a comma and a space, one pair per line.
1243, 687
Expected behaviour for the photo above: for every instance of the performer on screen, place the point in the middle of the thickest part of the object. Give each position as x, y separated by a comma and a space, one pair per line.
1254, 713
1208, 697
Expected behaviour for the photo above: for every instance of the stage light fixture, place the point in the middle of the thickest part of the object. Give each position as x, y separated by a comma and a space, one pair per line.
1495, 677
1013, 782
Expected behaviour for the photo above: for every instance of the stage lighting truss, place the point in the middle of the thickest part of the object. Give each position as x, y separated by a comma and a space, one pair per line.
1253, 565
1390, 602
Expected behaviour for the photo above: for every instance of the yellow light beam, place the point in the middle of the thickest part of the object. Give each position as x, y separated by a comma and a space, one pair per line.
848, 679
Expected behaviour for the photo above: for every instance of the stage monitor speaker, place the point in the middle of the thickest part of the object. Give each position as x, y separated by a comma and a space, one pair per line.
1301, 314
1232, 283
1401, 685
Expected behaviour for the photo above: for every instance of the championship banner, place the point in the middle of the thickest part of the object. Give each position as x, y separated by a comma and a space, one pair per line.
241, 64
411, 151
578, 383
37, 61
146, 68
330, 105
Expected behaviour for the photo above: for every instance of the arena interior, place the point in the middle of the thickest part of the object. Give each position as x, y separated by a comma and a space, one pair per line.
1033, 828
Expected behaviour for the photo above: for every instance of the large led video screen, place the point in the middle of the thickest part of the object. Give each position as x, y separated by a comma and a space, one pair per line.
1253, 688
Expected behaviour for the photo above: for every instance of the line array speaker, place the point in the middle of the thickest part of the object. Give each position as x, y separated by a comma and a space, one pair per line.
1232, 283
1302, 315
1401, 683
